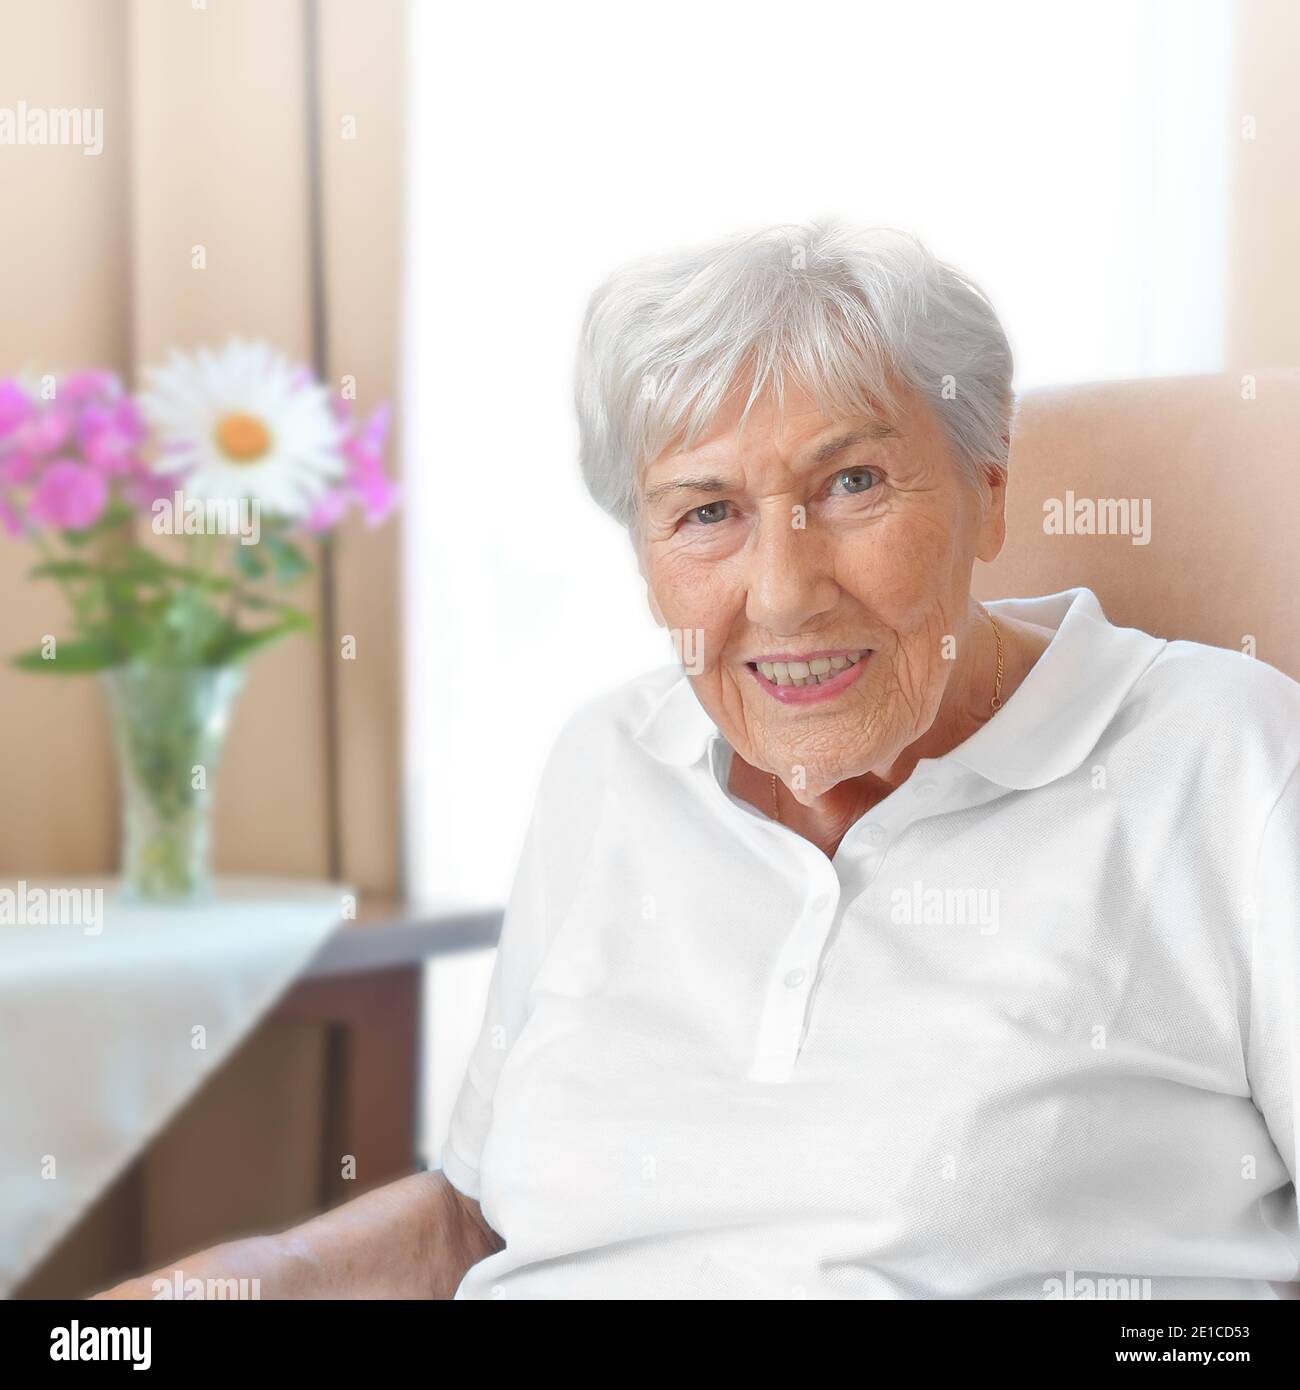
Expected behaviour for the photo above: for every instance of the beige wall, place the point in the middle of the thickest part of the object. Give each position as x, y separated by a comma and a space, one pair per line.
206, 142
1264, 286
64, 259
363, 55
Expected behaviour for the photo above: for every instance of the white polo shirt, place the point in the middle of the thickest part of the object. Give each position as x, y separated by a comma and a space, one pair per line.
1032, 1033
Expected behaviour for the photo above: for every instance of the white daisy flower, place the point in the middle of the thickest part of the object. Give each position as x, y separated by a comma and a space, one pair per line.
243, 423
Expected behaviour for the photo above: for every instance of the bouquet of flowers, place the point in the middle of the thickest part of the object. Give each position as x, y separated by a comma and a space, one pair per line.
237, 455
174, 520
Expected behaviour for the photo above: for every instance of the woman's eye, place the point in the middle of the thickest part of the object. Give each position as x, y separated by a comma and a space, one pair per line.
709, 514
856, 480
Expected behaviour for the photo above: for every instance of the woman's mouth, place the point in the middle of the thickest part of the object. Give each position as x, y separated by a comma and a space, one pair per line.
806, 682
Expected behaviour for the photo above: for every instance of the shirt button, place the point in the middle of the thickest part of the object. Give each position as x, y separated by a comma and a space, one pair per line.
876, 834
794, 979
821, 902
927, 786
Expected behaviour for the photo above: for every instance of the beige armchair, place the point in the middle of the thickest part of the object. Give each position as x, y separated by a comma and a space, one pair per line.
1217, 469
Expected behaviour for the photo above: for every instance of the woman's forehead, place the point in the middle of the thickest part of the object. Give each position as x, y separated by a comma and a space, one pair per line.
799, 428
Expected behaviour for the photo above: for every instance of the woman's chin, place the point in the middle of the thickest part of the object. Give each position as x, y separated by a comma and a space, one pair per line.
813, 783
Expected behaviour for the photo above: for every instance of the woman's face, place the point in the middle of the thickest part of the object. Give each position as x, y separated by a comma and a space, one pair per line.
810, 540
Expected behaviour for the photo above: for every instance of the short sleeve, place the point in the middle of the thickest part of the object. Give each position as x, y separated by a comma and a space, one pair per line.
566, 811
1274, 1044
519, 952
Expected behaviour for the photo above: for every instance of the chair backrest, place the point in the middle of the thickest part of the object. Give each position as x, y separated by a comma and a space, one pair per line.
1210, 465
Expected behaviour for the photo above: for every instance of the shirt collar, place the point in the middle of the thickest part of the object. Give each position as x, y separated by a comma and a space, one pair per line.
678, 728
1045, 730
1072, 692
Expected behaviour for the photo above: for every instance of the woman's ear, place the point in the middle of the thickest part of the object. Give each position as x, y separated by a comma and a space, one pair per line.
993, 518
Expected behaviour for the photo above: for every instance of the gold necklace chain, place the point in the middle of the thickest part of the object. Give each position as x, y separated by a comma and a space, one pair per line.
995, 703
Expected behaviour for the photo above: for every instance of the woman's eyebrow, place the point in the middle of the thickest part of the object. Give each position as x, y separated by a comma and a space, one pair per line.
877, 429
708, 483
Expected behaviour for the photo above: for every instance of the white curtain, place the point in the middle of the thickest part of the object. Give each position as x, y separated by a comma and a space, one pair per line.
1073, 158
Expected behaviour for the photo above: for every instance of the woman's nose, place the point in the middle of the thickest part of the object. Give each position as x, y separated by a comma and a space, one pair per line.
789, 575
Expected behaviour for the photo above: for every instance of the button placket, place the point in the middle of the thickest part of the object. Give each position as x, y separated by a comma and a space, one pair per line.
791, 985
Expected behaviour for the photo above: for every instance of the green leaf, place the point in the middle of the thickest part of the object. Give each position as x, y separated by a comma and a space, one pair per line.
61, 569
238, 645
72, 658
290, 563
249, 561
148, 566
115, 515
133, 633
264, 603
131, 565
139, 563
191, 625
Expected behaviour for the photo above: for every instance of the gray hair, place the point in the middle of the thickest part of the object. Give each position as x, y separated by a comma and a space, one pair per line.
844, 310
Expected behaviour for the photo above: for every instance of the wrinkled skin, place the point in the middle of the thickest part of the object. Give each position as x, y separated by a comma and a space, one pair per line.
891, 528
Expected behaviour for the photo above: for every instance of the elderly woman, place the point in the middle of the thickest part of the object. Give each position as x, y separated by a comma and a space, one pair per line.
889, 945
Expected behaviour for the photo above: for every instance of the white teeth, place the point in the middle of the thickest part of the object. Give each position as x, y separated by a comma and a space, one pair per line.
816, 672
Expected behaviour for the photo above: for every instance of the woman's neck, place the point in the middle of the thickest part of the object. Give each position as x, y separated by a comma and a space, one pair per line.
826, 819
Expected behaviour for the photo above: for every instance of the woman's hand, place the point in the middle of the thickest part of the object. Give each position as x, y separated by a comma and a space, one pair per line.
414, 1238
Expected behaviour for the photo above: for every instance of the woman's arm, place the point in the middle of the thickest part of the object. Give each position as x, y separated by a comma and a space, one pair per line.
414, 1238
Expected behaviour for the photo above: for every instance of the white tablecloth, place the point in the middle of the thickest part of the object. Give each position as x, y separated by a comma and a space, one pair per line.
98, 1032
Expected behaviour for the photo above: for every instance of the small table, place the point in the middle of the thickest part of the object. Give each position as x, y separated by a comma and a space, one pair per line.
108, 1028
366, 985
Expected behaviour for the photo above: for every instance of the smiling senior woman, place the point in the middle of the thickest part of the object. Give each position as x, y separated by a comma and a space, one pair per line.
897, 946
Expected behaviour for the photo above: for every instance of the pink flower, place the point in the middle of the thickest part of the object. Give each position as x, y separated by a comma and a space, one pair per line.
370, 486
373, 435
108, 452
10, 519
69, 496
328, 511
16, 468
94, 383
364, 484
15, 407
144, 487
110, 435
377, 495
44, 433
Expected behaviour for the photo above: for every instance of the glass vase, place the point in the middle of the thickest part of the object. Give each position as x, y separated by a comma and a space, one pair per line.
168, 726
